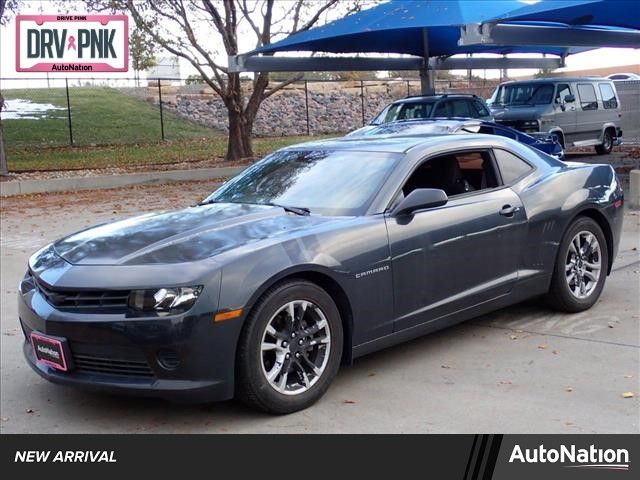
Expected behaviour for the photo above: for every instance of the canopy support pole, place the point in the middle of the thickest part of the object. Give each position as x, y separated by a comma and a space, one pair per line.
427, 77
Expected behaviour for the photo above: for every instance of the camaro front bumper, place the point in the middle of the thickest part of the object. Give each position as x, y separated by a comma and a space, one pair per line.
187, 358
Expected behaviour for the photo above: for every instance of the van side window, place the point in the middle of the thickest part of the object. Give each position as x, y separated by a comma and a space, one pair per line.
587, 94
608, 97
563, 91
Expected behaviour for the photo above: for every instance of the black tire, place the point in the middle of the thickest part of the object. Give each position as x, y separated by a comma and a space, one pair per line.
607, 144
560, 295
252, 386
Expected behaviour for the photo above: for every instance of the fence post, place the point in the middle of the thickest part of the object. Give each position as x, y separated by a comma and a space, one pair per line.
161, 112
306, 104
362, 100
408, 88
66, 84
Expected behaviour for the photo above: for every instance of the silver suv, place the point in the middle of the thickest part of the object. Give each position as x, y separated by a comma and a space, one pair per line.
582, 111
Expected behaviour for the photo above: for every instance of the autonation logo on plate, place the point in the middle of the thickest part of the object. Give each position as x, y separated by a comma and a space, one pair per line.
72, 43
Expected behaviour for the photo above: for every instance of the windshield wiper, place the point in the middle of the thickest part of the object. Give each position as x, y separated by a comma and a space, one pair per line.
302, 211
208, 202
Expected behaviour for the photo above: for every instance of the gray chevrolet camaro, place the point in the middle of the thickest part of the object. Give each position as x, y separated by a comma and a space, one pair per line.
316, 255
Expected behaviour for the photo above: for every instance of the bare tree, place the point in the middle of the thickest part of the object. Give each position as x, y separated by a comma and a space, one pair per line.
191, 29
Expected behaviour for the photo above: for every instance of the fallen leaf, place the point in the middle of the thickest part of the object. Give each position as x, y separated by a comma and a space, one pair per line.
542, 347
569, 389
506, 382
514, 337
371, 375
445, 366
30, 410
627, 395
350, 402
555, 352
610, 325
628, 376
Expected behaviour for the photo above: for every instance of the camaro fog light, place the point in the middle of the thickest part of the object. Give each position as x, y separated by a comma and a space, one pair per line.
164, 299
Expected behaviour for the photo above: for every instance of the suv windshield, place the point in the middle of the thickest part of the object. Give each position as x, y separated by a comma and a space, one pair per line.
523, 94
333, 182
403, 111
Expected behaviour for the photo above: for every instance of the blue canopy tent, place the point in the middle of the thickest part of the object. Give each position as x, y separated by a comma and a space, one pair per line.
433, 31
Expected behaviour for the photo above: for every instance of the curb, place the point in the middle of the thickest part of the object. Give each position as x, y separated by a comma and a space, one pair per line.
25, 187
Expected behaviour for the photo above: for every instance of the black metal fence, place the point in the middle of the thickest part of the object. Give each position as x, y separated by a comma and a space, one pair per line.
81, 112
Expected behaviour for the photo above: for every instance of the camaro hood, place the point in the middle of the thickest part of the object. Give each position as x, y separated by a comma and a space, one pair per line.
180, 236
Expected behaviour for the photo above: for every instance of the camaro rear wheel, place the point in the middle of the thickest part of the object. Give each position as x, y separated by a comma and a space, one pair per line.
581, 267
290, 348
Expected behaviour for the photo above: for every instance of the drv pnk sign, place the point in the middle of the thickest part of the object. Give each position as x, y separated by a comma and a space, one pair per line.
72, 43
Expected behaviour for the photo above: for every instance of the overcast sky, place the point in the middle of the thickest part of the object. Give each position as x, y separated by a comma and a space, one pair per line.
597, 58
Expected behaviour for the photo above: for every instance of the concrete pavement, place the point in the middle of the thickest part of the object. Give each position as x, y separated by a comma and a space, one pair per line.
522, 369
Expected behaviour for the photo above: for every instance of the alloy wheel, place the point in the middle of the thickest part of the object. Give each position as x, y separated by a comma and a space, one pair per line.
295, 347
583, 264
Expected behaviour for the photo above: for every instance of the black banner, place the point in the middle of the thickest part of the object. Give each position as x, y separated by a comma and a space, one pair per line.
460, 457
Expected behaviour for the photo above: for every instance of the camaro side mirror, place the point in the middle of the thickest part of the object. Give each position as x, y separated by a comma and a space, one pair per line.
419, 199
569, 98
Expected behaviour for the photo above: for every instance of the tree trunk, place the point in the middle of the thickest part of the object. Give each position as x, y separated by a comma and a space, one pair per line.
240, 121
239, 145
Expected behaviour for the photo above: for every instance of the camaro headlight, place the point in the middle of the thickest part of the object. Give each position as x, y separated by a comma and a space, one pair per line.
531, 123
164, 299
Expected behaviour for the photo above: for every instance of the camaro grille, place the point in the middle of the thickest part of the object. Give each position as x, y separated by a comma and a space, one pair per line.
111, 366
71, 299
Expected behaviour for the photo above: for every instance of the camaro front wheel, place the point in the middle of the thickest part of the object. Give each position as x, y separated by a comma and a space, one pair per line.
290, 348
581, 267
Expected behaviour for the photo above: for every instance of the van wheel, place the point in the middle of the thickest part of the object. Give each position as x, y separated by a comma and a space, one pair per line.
607, 144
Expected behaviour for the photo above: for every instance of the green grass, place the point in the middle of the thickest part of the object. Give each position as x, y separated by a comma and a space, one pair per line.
110, 129
99, 116
65, 158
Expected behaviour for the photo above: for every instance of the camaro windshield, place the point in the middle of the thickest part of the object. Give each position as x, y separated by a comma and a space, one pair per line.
331, 182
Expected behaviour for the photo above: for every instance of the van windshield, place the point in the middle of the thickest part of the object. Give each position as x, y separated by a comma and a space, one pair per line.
523, 94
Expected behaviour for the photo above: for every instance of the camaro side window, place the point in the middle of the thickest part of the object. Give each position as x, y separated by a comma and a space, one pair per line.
455, 173
511, 167
588, 99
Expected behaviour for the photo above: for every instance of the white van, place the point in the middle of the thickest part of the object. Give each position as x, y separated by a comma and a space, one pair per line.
581, 111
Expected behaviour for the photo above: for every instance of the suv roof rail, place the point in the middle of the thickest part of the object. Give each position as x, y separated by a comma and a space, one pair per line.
442, 95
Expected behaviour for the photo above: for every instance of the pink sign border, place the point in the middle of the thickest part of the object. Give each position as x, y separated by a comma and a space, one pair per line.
98, 67
64, 367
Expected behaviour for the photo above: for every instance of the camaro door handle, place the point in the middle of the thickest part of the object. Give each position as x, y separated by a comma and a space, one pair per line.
508, 210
